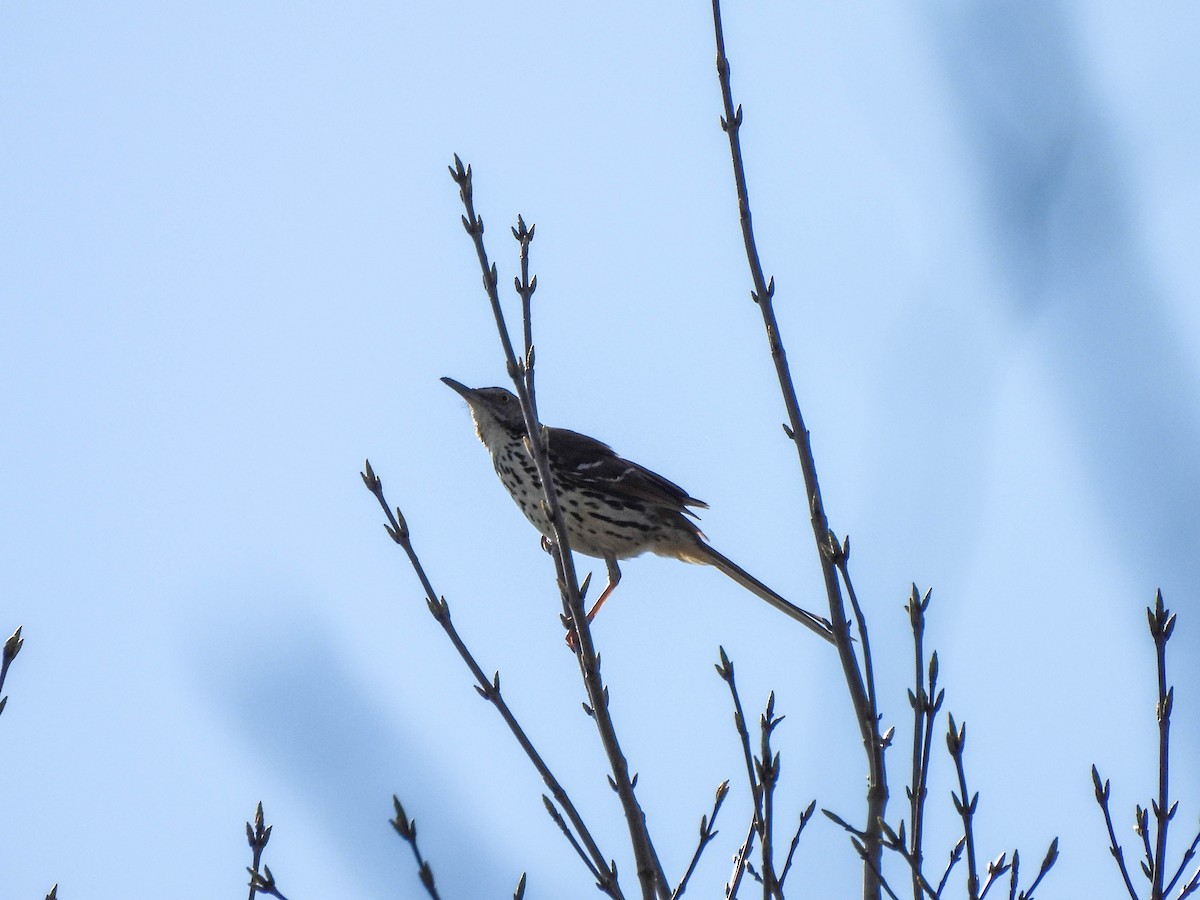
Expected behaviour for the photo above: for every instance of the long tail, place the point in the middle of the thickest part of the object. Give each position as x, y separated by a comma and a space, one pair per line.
706, 554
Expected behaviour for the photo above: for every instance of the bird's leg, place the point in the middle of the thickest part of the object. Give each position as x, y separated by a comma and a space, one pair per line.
614, 578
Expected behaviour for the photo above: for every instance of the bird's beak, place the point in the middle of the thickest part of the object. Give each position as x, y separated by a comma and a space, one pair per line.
459, 388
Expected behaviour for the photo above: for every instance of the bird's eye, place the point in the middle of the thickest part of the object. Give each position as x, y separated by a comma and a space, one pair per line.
504, 398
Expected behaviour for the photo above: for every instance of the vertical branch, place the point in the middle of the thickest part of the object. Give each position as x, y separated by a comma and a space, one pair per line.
956, 738
260, 882
1161, 626
919, 701
725, 670
763, 294
525, 286
925, 703
650, 875
768, 777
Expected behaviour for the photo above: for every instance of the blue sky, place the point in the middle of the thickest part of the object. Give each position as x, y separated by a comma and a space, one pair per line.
232, 267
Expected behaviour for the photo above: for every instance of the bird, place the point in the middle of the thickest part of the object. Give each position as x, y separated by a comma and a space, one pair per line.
614, 509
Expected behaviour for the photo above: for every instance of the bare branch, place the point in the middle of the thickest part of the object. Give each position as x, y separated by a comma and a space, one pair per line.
725, 670
1102, 795
741, 860
12, 647
956, 739
707, 833
1162, 623
768, 777
261, 882
1187, 857
488, 688
763, 294
407, 829
804, 818
649, 871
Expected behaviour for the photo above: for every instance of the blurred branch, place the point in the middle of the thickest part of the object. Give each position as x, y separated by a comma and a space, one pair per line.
763, 294
407, 829
650, 874
261, 882
489, 689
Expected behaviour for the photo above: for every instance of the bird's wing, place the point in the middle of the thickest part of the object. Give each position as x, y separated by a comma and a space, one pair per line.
582, 459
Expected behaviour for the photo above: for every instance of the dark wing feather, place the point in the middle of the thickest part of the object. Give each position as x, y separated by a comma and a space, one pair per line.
584, 459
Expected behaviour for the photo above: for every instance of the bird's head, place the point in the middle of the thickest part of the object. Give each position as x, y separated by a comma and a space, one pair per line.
496, 411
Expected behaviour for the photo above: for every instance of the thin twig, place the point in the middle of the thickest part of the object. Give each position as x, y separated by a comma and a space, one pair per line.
787, 864
12, 647
1187, 857
1191, 887
489, 688
956, 853
768, 777
840, 555
260, 882
1141, 818
1118, 853
725, 670
1048, 861
707, 833
891, 840
763, 294
558, 820
956, 739
1162, 623
741, 860
407, 829
888, 839
924, 711
525, 286
996, 870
